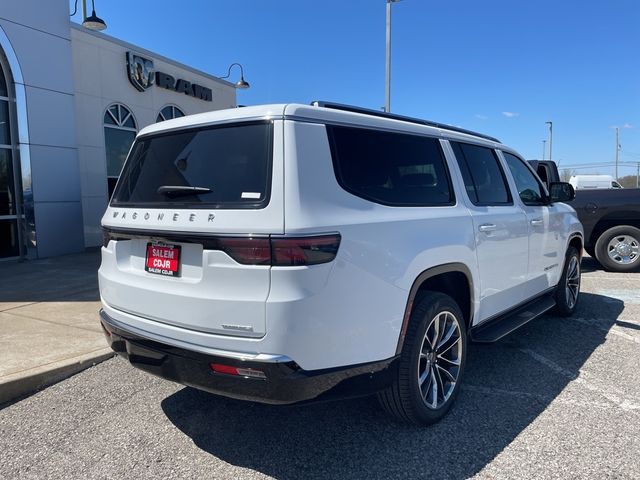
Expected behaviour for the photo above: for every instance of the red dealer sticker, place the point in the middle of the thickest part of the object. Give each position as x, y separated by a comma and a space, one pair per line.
163, 259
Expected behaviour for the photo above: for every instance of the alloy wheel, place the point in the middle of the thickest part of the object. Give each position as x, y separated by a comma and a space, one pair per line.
439, 360
572, 287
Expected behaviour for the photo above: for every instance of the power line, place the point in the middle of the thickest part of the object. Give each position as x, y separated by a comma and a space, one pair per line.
600, 166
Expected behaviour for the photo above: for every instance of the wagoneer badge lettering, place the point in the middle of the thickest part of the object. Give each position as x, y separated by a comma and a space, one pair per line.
147, 216
244, 328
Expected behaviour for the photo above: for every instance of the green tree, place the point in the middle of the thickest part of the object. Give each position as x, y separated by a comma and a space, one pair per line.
628, 181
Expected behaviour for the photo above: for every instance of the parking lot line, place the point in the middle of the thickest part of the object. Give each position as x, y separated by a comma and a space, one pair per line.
624, 403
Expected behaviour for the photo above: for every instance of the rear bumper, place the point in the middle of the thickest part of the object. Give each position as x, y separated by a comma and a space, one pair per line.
285, 382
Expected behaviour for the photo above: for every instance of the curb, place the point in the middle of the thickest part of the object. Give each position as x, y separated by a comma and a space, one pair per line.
27, 382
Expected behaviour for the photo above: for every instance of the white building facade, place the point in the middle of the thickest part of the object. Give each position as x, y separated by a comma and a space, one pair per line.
71, 102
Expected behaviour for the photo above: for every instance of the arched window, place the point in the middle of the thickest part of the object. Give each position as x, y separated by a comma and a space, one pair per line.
9, 241
169, 112
119, 132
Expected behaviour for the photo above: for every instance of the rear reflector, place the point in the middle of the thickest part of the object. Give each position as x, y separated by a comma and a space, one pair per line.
105, 331
237, 371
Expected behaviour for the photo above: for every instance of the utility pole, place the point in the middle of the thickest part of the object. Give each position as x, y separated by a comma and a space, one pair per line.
387, 81
617, 151
637, 175
550, 123
544, 148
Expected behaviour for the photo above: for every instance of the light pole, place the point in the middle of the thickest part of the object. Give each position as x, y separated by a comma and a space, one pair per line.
550, 137
242, 83
617, 150
544, 148
387, 80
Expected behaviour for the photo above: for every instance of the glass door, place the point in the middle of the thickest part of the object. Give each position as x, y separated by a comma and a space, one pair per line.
9, 238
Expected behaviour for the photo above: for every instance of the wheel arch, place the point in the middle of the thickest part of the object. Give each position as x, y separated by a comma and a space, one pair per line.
576, 240
445, 279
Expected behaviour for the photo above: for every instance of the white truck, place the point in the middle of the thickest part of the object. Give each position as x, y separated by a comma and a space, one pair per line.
584, 182
288, 253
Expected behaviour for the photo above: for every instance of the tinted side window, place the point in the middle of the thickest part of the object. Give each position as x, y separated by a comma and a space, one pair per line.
390, 168
482, 174
529, 188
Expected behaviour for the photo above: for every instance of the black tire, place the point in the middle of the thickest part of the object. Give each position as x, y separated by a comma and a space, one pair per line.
567, 292
607, 255
404, 399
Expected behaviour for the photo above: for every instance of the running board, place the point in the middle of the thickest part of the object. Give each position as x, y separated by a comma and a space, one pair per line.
495, 329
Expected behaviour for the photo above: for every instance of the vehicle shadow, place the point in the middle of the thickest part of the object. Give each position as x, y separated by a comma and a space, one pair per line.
506, 386
590, 264
64, 278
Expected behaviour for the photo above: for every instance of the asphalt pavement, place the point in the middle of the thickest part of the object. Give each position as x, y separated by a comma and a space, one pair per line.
560, 398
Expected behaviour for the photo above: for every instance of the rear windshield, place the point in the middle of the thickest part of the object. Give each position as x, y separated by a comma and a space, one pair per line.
227, 166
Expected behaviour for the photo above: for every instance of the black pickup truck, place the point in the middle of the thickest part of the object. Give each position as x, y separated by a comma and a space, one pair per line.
610, 217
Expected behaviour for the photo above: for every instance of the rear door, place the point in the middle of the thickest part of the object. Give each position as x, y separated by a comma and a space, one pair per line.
501, 233
186, 232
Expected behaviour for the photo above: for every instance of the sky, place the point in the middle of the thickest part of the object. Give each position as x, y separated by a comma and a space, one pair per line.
500, 67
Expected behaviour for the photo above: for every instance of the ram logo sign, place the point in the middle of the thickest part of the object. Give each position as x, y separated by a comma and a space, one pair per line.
140, 69
142, 75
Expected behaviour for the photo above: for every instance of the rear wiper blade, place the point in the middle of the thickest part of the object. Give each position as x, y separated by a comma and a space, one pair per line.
178, 190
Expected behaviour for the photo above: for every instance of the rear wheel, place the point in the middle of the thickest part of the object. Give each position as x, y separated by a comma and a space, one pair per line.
568, 289
431, 363
618, 249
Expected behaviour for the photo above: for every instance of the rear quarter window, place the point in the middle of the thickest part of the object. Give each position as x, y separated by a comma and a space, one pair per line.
390, 168
230, 165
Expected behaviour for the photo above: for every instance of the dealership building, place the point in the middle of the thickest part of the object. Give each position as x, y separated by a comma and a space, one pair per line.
71, 102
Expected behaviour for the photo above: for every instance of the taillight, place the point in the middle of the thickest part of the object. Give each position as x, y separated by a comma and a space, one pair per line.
248, 251
106, 236
290, 252
281, 252
275, 251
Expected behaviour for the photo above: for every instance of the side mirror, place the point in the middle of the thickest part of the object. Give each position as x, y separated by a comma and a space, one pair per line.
561, 192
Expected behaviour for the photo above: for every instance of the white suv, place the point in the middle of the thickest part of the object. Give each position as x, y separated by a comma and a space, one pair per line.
287, 253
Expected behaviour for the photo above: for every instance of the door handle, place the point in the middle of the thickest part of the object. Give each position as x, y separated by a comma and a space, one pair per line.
487, 227
537, 222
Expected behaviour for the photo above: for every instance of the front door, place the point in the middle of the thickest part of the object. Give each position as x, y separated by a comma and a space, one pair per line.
546, 252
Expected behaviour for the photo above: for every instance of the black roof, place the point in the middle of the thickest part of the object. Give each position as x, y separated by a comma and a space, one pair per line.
420, 121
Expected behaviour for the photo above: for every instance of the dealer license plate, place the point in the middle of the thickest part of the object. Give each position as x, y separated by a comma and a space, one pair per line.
163, 259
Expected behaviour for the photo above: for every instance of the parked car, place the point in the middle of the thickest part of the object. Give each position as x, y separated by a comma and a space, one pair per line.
584, 182
290, 253
611, 220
